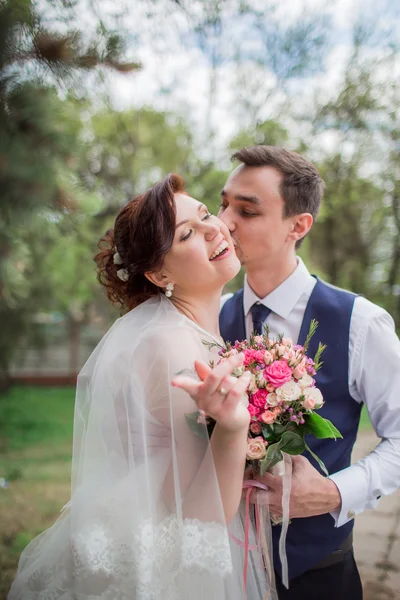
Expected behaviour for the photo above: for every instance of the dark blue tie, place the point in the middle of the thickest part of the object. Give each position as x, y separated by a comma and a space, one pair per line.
259, 313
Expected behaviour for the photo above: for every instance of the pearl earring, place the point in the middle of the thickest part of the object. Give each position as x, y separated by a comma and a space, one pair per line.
169, 289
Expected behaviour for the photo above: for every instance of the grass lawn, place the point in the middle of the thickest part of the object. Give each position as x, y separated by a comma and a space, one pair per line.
35, 457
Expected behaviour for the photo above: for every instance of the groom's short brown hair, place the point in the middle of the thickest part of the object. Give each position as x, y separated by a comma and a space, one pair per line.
301, 188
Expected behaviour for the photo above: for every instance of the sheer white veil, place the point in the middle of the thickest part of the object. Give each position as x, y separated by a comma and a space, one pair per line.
145, 520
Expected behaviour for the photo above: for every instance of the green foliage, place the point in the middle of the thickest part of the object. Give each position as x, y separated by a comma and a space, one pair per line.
320, 428
39, 149
35, 415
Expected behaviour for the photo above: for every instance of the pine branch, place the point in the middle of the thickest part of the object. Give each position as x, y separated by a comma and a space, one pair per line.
311, 331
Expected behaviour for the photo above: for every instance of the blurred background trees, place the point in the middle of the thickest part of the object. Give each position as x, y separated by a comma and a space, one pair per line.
98, 102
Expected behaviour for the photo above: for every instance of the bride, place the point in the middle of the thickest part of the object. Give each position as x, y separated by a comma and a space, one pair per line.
153, 513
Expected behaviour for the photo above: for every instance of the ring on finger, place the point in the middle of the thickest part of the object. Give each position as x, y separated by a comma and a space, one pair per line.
223, 391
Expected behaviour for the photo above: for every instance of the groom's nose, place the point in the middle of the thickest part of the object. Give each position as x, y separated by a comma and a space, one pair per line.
226, 217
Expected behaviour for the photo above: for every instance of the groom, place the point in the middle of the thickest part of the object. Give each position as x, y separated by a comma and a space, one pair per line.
269, 203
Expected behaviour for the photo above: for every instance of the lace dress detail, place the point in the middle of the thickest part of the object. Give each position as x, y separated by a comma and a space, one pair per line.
150, 564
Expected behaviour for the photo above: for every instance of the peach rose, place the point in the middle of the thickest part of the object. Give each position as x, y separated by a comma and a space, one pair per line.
268, 357
309, 403
314, 394
255, 428
280, 349
268, 417
299, 372
287, 342
256, 448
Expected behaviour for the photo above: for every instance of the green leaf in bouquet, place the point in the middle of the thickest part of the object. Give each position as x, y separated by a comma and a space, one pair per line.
292, 443
273, 456
319, 461
321, 428
197, 428
311, 331
269, 433
318, 363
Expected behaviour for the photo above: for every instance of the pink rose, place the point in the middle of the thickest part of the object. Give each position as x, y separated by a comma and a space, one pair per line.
278, 373
268, 417
253, 410
256, 448
276, 410
299, 372
259, 356
259, 398
287, 342
270, 388
258, 339
309, 403
255, 428
268, 357
251, 356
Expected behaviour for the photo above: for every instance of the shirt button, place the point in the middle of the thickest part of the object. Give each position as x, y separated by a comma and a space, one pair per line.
351, 514
377, 494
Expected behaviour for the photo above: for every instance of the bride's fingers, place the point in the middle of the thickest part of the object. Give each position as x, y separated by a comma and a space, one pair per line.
238, 391
191, 386
202, 369
212, 383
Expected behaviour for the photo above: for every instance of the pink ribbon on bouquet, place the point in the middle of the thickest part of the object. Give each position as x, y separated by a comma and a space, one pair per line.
263, 528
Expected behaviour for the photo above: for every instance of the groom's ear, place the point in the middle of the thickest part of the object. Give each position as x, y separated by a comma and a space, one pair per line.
159, 279
301, 225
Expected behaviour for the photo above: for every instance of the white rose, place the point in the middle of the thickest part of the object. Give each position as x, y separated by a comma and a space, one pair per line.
272, 399
306, 381
238, 372
315, 394
289, 391
252, 385
261, 381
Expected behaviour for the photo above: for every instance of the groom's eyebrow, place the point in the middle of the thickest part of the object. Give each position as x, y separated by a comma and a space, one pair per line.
243, 198
187, 220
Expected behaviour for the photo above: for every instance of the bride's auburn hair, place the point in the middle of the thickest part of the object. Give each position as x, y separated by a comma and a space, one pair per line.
143, 233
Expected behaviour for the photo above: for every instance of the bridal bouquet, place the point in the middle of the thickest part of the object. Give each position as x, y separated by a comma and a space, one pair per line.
283, 398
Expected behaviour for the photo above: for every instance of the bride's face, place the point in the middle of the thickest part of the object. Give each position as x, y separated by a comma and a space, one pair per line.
202, 258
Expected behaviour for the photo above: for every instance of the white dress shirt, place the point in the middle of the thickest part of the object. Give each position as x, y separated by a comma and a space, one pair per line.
374, 378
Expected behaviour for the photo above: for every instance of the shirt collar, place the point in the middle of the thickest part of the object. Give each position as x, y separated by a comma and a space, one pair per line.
282, 299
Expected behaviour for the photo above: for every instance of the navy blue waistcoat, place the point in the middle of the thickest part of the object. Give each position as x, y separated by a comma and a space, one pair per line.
311, 539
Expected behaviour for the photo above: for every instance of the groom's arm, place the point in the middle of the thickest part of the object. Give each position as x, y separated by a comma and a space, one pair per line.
375, 381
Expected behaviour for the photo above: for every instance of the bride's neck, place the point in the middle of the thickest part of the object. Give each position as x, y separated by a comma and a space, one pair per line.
202, 310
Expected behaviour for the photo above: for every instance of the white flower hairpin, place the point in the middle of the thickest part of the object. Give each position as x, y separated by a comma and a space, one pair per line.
122, 274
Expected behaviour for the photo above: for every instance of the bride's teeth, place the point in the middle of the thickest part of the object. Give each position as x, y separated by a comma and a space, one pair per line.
220, 248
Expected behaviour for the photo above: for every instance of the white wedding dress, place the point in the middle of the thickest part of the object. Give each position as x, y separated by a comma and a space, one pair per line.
145, 520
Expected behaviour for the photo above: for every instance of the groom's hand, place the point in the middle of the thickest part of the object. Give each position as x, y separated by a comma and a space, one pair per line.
311, 493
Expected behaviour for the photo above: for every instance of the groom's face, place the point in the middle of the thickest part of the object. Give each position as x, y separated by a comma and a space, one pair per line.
252, 207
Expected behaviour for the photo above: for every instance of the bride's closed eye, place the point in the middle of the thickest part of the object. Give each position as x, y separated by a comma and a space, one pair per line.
203, 218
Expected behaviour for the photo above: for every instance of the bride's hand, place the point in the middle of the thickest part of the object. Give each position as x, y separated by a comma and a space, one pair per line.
219, 394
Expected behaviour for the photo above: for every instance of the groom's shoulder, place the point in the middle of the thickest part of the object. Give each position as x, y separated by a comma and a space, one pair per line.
229, 296
364, 309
